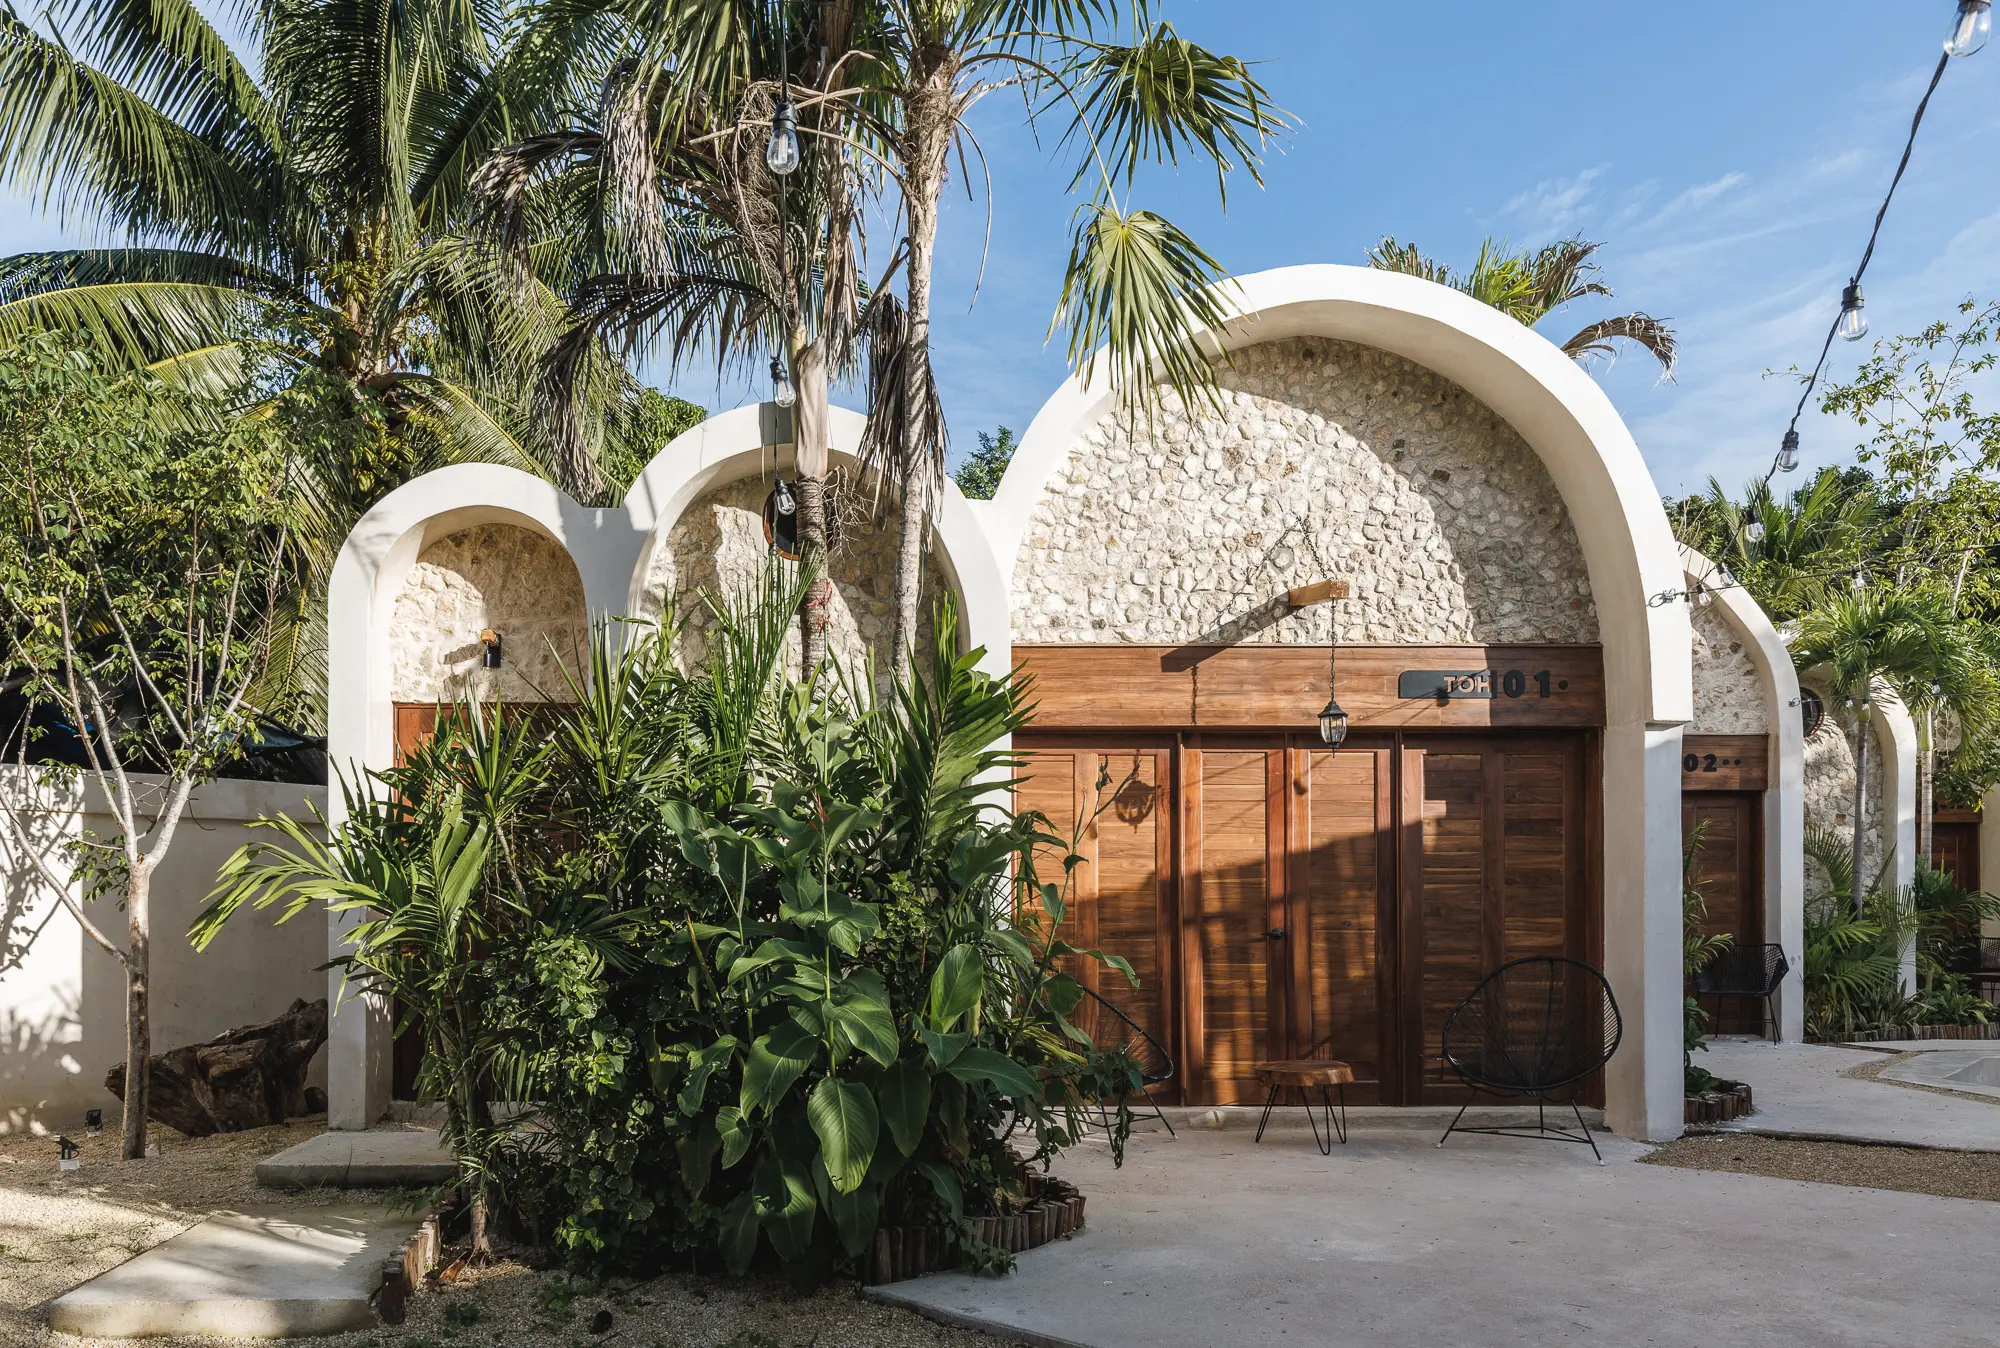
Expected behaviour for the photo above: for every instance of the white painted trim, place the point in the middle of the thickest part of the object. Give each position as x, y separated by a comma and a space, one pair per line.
1785, 800
1899, 800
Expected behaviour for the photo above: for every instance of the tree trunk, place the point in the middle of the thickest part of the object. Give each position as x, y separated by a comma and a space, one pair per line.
1861, 727
813, 557
1926, 784
914, 533
138, 1009
812, 451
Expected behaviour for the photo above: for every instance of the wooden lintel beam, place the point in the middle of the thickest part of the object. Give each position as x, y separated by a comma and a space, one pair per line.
1319, 592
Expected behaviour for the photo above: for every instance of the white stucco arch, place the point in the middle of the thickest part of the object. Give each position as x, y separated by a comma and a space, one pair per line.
739, 444
1635, 577
1784, 801
611, 549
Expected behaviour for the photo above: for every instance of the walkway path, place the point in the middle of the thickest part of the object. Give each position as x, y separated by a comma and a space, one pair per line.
275, 1274
1799, 1088
1491, 1241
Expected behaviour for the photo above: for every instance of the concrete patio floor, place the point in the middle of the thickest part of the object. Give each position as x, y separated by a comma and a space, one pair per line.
1800, 1090
1492, 1242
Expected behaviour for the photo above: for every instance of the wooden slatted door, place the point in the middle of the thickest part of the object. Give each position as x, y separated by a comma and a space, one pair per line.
1341, 913
1728, 870
1234, 900
1117, 897
1493, 870
1955, 851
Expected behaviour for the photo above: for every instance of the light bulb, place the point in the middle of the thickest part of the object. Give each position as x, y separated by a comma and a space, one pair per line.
781, 154
1970, 27
783, 395
1754, 531
1788, 452
1853, 323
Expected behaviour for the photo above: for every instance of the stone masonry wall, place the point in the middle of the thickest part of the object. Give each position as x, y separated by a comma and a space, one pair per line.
1728, 693
718, 545
1829, 781
1326, 459
513, 580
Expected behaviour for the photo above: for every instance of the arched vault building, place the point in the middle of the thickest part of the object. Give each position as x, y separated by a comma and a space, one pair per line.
1514, 649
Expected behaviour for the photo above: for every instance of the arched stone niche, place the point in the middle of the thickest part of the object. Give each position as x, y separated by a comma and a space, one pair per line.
717, 546
1325, 459
513, 580
1729, 695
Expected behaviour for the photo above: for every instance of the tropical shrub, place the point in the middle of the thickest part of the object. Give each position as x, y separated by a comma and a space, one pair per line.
1698, 947
764, 963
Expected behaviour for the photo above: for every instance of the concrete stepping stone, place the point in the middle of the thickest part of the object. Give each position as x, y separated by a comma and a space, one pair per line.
360, 1160
285, 1275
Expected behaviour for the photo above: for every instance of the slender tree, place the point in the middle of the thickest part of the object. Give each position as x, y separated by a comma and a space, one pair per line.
141, 544
1528, 286
1119, 90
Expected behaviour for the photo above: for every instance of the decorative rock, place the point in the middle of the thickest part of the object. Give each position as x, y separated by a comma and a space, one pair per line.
501, 576
1728, 695
247, 1078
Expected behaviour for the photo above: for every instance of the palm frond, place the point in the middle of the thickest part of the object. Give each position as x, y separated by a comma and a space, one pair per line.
1145, 292
1641, 329
140, 322
1408, 259
1162, 96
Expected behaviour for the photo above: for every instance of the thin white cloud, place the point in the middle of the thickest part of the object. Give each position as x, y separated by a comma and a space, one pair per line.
1555, 205
1697, 197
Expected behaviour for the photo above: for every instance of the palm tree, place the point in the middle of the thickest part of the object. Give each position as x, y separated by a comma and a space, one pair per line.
1528, 286
1125, 90
1789, 552
308, 215
698, 247
1872, 641
293, 223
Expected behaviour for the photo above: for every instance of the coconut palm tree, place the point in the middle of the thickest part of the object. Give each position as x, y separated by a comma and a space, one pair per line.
698, 249
308, 215
1120, 90
290, 222
1873, 641
1530, 285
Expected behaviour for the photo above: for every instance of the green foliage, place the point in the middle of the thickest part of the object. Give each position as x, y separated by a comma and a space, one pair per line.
142, 547
652, 424
1697, 949
1529, 286
738, 941
1853, 957
978, 474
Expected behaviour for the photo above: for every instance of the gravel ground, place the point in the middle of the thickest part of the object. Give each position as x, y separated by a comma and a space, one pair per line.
58, 1230
1948, 1174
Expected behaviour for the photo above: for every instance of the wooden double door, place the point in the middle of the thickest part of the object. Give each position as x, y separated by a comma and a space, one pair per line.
1272, 894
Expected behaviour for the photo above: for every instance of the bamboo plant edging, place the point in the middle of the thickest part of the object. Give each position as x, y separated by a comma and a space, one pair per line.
1729, 1100
405, 1270
1990, 1030
1056, 1210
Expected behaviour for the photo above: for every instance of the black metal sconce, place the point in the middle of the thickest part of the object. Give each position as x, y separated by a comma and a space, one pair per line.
1333, 717
490, 652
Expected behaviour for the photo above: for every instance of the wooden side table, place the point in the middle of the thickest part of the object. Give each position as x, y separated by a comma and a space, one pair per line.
1306, 1075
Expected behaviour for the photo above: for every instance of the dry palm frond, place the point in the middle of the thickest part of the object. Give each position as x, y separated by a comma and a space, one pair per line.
1649, 332
1408, 259
895, 423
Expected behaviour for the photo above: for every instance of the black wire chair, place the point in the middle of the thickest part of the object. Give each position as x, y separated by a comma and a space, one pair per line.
1533, 1027
1110, 1028
1745, 971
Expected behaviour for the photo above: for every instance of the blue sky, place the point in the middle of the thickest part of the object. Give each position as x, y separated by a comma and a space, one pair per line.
1729, 155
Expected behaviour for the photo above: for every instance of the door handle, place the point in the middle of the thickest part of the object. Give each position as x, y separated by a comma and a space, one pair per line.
1275, 934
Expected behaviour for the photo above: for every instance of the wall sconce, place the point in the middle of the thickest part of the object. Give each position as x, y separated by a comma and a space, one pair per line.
67, 1158
93, 1121
490, 654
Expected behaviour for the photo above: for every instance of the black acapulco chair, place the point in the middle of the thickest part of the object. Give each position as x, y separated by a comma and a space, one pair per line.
1745, 971
1110, 1028
1535, 1026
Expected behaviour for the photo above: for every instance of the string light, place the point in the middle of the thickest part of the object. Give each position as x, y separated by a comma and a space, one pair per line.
784, 395
1853, 325
1970, 27
1968, 34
